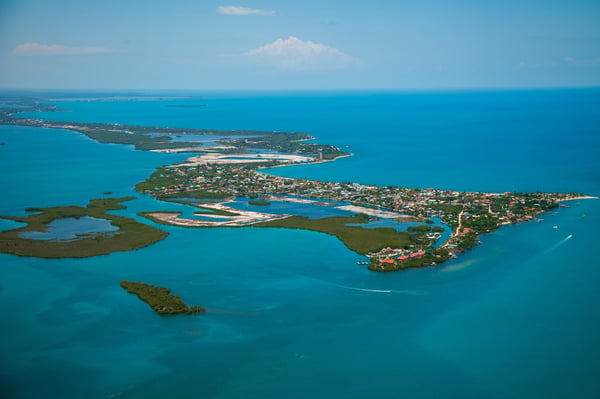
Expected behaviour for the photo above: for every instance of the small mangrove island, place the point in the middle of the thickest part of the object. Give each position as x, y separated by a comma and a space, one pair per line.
160, 299
259, 202
126, 235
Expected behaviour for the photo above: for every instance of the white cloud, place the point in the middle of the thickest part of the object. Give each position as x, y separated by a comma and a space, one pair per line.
294, 53
33, 49
236, 10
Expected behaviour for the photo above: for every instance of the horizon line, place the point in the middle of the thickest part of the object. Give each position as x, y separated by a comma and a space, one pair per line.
374, 89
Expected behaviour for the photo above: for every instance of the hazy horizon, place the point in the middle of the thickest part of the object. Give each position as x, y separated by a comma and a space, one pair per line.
270, 45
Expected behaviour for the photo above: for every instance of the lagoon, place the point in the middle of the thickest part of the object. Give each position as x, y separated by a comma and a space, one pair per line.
70, 228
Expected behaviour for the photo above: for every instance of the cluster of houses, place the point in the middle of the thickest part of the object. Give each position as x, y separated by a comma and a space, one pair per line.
245, 180
417, 254
460, 210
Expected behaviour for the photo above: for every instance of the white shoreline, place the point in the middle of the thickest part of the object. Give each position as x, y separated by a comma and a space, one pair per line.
372, 212
314, 162
583, 197
217, 158
241, 217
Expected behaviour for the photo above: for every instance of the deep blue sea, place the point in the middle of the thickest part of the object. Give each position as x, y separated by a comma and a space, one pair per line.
291, 314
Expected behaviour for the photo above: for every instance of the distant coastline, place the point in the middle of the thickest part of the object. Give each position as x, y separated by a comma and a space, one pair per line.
186, 105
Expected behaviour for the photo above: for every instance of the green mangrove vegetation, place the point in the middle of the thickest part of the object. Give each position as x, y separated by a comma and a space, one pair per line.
148, 138
224, 174
130, 236
356, 238
259, 202
160, 299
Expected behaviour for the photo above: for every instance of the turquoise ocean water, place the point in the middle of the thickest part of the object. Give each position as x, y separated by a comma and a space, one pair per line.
291, 314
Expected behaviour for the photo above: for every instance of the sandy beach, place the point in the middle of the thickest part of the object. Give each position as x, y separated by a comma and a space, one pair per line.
583, 197
175, 150
312, 161
241, 217
216, 158
371, 212
290, 199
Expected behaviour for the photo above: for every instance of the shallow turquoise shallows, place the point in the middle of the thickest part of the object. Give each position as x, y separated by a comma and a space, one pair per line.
71, 228
290, 313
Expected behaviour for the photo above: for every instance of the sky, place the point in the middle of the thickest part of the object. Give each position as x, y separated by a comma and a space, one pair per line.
308, 44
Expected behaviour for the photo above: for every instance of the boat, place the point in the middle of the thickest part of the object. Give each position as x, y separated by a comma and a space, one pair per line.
555, 227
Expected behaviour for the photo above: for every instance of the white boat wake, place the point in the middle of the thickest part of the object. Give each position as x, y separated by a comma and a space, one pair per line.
363, 289
560, 243
405, 292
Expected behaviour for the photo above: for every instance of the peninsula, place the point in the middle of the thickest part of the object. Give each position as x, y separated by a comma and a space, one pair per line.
226, 165
222, 142
468, 214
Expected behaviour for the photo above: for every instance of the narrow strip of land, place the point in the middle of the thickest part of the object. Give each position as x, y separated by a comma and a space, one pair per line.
160, 299
236, 219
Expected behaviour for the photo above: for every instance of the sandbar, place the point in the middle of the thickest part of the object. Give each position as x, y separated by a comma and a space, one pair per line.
372, 212
241, 217
216, 158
